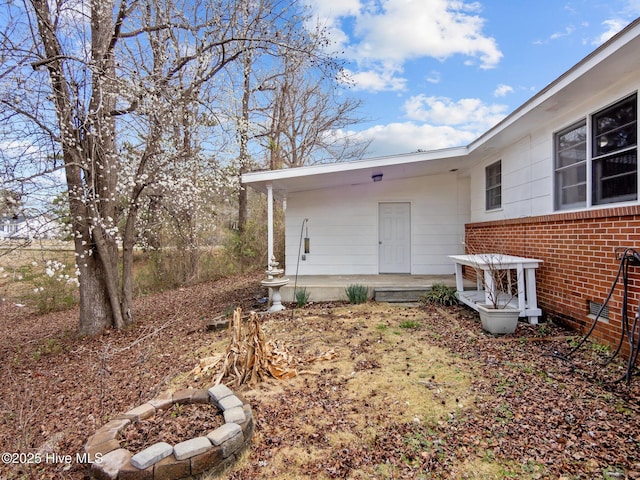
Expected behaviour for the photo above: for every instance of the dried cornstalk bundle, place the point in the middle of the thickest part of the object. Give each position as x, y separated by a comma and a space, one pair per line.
250, 357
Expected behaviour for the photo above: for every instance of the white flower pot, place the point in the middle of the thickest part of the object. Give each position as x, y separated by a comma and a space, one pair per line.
498, 321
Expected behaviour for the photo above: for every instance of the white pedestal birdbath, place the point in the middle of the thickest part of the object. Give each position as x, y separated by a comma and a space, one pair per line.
273, 282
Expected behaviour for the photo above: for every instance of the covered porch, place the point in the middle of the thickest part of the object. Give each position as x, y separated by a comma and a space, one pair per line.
383, 287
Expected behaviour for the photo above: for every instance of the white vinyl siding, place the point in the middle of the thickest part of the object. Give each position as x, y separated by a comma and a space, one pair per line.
344, 225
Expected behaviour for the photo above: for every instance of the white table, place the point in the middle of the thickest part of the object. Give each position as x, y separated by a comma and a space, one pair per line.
484, 263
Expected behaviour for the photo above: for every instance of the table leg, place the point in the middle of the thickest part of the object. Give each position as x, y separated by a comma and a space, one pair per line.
459, 278
522, 294
532, 299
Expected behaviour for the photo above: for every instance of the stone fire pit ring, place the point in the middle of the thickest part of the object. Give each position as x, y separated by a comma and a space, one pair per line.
214, 452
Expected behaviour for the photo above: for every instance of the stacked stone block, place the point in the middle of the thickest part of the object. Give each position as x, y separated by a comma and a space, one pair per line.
213, 452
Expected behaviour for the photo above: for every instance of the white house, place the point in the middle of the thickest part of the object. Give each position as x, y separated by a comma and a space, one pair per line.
13, 228
28, 228
569, 154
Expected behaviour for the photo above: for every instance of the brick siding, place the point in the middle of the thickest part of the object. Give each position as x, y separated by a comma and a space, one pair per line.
580, 265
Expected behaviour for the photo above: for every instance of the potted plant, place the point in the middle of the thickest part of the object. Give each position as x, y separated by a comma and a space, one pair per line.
497, 314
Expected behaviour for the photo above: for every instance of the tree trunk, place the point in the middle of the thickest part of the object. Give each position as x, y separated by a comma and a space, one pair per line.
128, 242
95, 307
244, 143
88, 146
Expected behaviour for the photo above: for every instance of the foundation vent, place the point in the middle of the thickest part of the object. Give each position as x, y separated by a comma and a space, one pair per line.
594, 308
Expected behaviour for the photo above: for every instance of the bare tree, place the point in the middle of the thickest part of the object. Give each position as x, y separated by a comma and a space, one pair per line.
288, 106
308, 121
9, 203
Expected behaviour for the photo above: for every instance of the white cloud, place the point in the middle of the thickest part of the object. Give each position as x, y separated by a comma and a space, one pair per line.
330, 14
402, 30
376, 80
392, 32
469, 114
19, 148
557, 35
502, 90
567, 31
612, 26
632, 8
408, 137
434, 77
628, 13
333, 9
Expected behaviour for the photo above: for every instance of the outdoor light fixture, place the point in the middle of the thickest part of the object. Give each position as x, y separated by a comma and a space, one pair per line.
376, 177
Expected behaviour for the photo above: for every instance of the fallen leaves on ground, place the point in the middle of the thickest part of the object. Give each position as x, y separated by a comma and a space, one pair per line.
173, 425
517, 410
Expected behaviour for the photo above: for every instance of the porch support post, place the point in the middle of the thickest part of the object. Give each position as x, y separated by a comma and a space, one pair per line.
269, 224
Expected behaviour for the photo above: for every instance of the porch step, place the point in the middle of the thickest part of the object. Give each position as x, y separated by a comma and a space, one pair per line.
399, 294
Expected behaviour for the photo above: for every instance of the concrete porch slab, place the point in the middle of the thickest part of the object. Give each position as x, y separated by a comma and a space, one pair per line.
327, 288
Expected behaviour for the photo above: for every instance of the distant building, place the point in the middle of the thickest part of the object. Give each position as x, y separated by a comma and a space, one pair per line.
20, 227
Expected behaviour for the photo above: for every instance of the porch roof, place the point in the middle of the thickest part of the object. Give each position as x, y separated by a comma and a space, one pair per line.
358, 172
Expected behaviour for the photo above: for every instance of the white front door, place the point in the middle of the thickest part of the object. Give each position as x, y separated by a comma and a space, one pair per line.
395, 238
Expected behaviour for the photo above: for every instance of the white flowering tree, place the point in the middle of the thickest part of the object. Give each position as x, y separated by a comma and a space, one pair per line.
112, 98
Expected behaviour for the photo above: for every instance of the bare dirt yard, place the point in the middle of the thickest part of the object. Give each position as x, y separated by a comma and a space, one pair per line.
406, 391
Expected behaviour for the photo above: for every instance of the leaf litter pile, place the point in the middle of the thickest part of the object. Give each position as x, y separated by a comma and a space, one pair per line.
337, 391
176, 424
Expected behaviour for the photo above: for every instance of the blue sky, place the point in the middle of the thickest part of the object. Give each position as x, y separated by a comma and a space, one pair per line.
438, 73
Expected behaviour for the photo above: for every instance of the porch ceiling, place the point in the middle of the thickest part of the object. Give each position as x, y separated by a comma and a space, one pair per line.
359, 172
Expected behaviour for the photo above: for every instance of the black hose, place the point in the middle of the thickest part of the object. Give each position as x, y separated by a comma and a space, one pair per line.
632, 334
595, 320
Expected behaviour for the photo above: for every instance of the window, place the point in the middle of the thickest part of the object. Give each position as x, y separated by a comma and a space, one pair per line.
600, 156
494, 186
571, 167
615, 159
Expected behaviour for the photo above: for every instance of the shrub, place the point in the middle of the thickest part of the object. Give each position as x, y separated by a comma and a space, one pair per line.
357, 293
409, 324
440, 294
170, 268
55, 290
302, 297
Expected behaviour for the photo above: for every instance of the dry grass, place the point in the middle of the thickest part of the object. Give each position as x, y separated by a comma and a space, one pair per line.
382, 374
38, 278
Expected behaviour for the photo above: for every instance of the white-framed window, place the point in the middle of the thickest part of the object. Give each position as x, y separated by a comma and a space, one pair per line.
571, 166
615, 153
596, 162
493, 186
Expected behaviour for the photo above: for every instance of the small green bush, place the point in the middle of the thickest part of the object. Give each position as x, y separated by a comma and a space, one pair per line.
357, 293
409, 324
302, 297
440, 294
